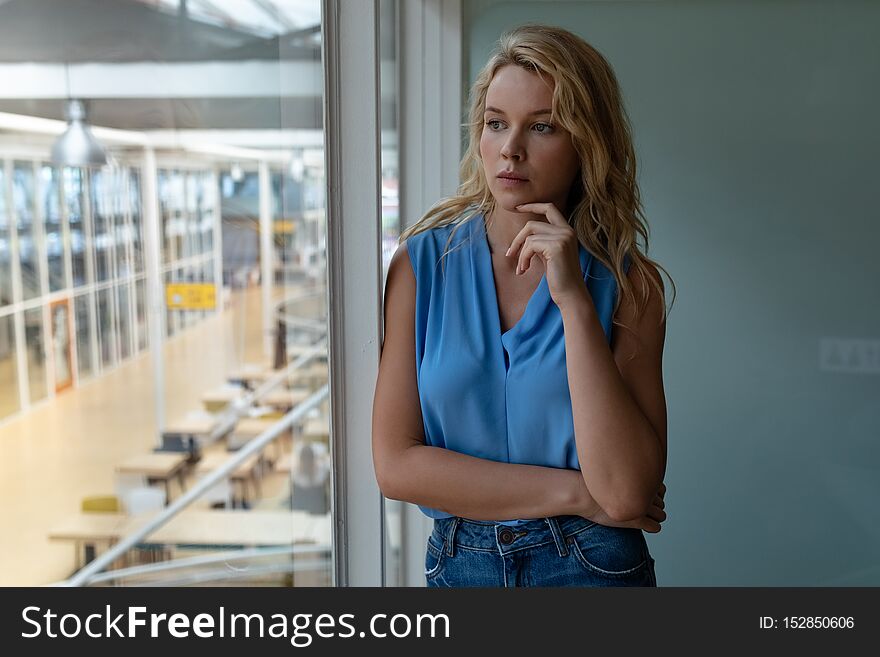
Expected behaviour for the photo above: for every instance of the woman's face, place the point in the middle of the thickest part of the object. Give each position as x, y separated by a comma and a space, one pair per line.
526, 159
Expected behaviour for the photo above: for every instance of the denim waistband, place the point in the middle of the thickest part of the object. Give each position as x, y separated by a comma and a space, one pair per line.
500, 538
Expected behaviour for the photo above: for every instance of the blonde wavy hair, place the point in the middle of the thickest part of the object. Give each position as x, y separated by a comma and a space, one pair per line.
604, 205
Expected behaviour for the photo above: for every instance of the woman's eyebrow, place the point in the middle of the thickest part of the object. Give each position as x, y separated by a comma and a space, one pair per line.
535, 113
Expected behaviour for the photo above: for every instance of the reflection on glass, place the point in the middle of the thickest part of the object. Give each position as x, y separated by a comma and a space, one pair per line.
106, 331
134, 200
170, 315
207, 213
124, 313
121, 223
50, 199
164, 189
141, 310
9, 401
73, 199
36, 354
5, 249
103, 237
192, 237
83, 328
23, 201
59, 324
240, 212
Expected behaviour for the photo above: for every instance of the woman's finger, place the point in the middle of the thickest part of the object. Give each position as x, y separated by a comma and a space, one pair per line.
530, 229
651, 526
534, 246
554, 216
656, 513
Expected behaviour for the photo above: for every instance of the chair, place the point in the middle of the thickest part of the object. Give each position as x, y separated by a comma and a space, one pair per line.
219, 495
101, 504
97, 504
126, 481
143, 500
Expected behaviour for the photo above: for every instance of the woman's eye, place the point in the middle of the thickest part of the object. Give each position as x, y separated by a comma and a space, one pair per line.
543, 128
494, 124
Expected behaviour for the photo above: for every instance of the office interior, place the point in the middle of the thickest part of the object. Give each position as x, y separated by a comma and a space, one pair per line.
180, 402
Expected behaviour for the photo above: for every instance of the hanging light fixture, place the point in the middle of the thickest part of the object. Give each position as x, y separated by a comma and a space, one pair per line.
77, 146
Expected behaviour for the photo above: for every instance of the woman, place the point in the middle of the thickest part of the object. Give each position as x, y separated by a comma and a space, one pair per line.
505, 406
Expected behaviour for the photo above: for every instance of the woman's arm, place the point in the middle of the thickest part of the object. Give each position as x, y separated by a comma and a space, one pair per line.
439, 478
620, 425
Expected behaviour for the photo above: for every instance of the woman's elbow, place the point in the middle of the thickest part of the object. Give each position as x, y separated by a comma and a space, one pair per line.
628, 508
388, 476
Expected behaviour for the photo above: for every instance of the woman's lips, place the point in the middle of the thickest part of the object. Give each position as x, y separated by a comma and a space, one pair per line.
512, 182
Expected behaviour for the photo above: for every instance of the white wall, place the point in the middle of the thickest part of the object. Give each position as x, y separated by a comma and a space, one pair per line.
756, 131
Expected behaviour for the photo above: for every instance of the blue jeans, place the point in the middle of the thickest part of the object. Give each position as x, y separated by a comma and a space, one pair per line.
557, 551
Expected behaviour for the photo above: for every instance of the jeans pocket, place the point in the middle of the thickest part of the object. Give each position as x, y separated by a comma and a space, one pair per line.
434, 557
616, 552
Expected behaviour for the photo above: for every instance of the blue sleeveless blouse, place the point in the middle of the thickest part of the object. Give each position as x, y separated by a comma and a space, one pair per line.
493, 395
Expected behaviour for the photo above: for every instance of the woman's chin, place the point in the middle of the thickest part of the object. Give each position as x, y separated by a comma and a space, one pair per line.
510, 201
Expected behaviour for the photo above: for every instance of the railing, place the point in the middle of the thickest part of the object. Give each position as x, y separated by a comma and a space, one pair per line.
226, 571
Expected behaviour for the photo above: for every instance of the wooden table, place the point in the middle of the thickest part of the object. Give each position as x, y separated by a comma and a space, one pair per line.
193, 427
317, 429
284, 399
197, 527
248, 428
244, 528
217, 400
251, 376
280, 398
86, 529
248, 471
157, 466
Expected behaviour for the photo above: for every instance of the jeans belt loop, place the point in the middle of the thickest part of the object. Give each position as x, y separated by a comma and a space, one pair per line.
450, 536
558, 537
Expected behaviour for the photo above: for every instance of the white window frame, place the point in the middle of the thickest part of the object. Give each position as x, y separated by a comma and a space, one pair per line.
430, 51
354, 274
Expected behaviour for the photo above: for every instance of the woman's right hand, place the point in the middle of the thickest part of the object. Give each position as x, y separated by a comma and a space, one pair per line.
649, 522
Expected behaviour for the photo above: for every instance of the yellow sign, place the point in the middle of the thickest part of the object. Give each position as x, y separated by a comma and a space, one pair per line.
284, 226
190, 296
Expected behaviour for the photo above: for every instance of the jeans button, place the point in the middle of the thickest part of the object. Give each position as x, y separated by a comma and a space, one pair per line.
506, 537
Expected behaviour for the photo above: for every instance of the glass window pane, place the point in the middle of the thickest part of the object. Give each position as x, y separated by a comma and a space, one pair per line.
102, 231
141, 308
9, 391
36, 354
134, 200
121, 223
50, 196
83, 328
124, 310
106, 212
106, 327
170, 314
23, 201
60, 323
73, 199
5, 245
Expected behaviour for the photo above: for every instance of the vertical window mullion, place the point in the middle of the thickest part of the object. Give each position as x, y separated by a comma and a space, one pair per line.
352, 143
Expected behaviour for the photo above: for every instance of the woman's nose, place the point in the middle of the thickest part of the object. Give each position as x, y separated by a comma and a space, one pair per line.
512, 150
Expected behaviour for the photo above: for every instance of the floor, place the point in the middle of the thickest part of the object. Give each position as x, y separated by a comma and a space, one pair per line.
66, 448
